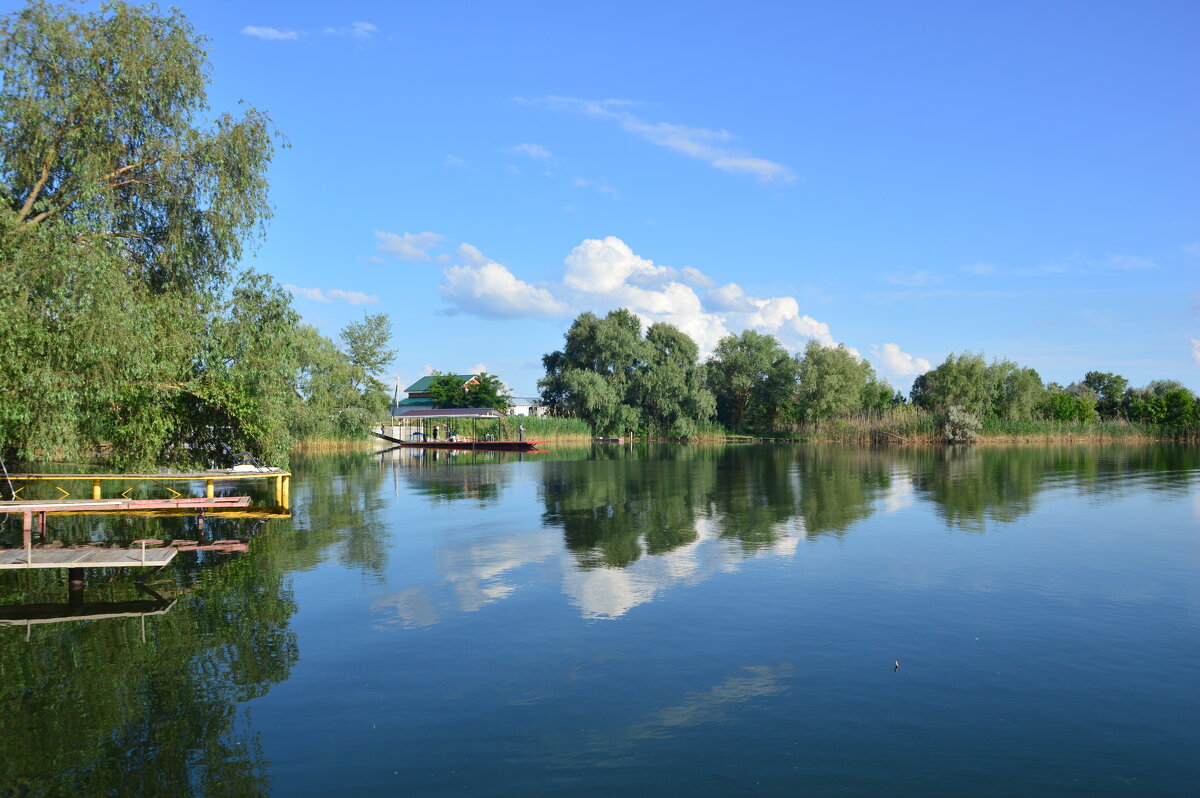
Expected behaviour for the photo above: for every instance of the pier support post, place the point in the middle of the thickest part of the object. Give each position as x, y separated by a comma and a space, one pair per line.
75, 583
208, 488
286, 492
95, 489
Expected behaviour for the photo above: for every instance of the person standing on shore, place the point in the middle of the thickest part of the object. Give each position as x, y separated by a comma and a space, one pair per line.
521, 432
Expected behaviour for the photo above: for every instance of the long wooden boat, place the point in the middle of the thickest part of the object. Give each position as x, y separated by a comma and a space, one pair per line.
489, 446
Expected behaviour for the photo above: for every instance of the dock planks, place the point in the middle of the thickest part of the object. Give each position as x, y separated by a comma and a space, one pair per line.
92, 557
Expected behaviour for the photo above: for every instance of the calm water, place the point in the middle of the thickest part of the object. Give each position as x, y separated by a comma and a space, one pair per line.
665, 620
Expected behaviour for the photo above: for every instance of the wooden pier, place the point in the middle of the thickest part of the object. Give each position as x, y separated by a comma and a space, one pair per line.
90, 557
209, 478
24, 557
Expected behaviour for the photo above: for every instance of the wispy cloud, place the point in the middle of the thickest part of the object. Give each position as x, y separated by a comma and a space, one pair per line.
599, 185
410, 246
332, 295
536, 151
357, 30
703, 144
1195, 350
273, 34
916, 279
979, 268
454, 161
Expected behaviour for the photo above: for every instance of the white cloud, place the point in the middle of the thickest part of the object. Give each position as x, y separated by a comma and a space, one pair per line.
532, 150
895, 363
272, 34
357, 30
730, 298
695, 277
315, 294
817, 330
410, 246
332, 295
483, 287
600, 266
1195, 351
599, 185
1192, 250
455, 161
701, 143
608, 274
605, 274
352, 297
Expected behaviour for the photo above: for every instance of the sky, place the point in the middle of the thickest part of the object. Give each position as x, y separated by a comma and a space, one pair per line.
909, 179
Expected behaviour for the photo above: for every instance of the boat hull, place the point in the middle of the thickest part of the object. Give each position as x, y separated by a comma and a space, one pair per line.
482, 446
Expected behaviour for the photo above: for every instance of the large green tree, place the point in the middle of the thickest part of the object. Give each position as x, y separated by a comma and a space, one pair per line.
834, 383
125, 209
617, 381
754, 380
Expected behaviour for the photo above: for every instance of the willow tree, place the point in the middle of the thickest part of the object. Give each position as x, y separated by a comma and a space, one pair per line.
124, 211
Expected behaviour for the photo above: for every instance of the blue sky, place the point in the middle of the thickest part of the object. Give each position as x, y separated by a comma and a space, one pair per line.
909, 179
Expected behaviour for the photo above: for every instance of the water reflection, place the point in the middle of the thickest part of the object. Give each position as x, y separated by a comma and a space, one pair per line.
150, 703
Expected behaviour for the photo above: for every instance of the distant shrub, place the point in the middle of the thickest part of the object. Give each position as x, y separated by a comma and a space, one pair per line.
960, 425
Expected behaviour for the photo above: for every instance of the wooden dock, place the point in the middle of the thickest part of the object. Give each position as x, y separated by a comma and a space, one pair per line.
91, 557
30, 614
209, 478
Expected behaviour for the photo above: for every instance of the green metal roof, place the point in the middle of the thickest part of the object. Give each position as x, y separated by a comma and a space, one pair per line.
422, 385
410, 402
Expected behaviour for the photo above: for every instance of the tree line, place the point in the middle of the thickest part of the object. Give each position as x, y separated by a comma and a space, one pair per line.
620, 382
125, 209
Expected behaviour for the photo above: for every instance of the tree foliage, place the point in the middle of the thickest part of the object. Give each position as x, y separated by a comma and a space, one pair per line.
450, 391
124, 213
617, 381
754, 380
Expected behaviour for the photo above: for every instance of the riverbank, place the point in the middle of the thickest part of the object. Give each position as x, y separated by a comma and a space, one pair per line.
923, 429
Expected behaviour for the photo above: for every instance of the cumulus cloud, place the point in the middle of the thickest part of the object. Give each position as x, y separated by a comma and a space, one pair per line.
332, 295
607, 274
410, 246
604, 274
536, 151
700, 143
272, 34
482, 287
600, 266
895, 363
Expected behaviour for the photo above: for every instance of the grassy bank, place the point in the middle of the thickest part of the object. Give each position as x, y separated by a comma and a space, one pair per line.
917, 427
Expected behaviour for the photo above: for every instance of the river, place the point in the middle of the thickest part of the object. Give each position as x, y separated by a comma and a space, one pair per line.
683, 620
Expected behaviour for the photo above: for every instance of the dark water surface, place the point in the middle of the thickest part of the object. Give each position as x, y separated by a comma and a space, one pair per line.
665, 620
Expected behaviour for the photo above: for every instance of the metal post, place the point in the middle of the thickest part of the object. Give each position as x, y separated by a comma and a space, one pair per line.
95, 489
208, 487
27, 529
42, 526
